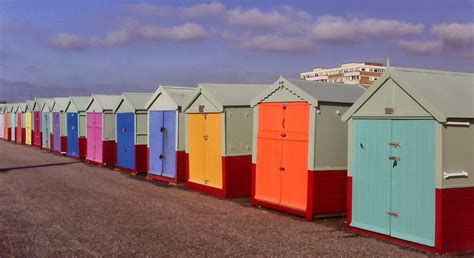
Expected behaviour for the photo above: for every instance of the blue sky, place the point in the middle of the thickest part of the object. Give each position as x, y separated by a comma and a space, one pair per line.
62, 48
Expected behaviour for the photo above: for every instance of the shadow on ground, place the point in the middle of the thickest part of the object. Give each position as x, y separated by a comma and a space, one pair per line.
5, 170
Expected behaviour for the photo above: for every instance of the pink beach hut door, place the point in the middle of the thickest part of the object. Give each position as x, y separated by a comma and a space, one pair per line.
98, 137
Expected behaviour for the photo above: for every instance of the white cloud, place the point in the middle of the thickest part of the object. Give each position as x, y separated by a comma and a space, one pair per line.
341, 30
456, 35
272, 43
203, 10
128, 34
454, 38
416, 47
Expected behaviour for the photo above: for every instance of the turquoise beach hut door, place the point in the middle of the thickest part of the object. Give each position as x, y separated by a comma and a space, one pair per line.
394, 178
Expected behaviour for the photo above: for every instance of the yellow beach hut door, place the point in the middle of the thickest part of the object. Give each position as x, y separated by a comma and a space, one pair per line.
205, 156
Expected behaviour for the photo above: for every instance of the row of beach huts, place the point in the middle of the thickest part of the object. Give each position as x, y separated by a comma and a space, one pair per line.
397, 158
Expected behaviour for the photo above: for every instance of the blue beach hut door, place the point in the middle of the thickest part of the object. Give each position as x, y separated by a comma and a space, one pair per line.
72, 135
126, 140
163, 143
393, 178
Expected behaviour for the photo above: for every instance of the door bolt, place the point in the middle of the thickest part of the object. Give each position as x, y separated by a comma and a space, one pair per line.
393, 214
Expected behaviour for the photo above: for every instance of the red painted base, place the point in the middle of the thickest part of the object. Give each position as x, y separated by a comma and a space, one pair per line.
330, 192
455, 220
109, 153
63, 144
51, 142
454, 225
32, 137
9, 134
37, 140
180, 171
23, 135
236, 178
82, 148
141, 158
18, 135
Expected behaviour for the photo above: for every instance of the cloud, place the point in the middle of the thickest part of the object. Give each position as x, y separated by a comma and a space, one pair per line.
336, 29
194, 11
272, 43
421, 48
455, 35
203, 10
453, 38
129, 33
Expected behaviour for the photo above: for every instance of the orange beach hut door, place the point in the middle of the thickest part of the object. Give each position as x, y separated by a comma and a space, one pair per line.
205, 157
282, 161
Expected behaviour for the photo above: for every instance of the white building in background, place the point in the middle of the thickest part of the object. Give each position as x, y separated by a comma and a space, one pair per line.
351, 73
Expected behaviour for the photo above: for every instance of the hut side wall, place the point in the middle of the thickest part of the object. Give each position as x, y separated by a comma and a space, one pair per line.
181, 131
108, 126
331, 138
254, 135
82, 124
141, 128
238, 131
458, 150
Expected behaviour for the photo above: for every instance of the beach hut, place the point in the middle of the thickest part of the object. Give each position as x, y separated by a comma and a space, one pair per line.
299, 158
14, 108
47, 124
101, 146
37, 133
2, 121
411, 139
20, 123
29, 120
131, 132
219, 138
77, 126
7, 127
166, 134
59, 130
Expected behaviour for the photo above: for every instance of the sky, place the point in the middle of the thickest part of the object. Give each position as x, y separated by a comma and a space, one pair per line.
80, 47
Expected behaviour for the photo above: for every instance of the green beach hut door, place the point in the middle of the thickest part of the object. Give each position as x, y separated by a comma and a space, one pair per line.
394, 178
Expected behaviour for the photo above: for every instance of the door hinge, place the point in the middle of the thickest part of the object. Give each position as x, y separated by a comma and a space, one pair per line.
393, 214
394, 144
394, 158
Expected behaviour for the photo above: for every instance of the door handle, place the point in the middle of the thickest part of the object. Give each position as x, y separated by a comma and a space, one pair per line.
282, 169
205, 137
162, 129
162, 156
394, 158
283, 123
283, 135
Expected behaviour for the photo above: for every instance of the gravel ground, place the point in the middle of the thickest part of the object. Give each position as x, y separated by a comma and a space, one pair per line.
57, 206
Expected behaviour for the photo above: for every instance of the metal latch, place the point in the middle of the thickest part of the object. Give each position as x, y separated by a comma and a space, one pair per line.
206, 181
283, 135
394, 144
393, 214
162, 156
162, 129
205, 137
394, 158
282, 169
